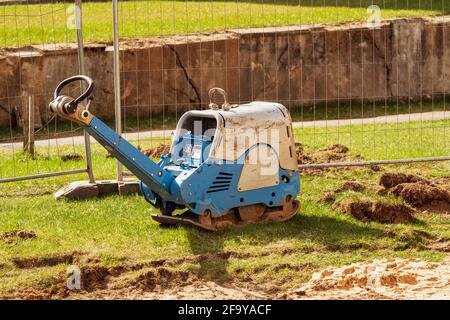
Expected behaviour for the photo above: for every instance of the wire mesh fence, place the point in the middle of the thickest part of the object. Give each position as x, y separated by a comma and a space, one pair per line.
372, 76
369, 75
33, 142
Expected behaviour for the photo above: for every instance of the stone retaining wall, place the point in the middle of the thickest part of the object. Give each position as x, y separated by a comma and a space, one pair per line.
298, 65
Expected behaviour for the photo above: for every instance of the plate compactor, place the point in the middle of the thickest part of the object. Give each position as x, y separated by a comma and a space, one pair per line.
229, 165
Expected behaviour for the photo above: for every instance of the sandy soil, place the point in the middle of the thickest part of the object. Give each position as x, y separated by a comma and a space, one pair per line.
198, 291
379, 279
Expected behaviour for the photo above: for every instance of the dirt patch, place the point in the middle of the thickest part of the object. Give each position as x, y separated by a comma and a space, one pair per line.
11, 236
151, 280
390, 180
337, 152
26, 193
94, 277
154, 279
45, 261
380, 279
157, 151
330, 196
301, 154
352, 186
71, 157
333, 153
442, 246
136, 282
419, 194
336, 148
417, 191
155, 283
368, 210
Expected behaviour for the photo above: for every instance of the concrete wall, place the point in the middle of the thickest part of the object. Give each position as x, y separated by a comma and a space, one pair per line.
300, 65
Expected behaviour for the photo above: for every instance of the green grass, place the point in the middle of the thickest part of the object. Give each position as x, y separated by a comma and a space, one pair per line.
168, 120
37, 24
372, 141
115, 230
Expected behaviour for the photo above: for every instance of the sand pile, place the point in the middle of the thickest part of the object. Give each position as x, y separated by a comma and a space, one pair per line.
380, 279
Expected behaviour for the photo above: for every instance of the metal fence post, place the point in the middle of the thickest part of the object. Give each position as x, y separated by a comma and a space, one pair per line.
28, 126
81, 69
117, 113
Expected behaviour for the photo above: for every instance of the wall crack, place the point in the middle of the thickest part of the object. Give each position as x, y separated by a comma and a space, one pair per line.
197, 96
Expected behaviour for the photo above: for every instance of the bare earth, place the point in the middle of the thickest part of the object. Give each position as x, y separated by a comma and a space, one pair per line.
380, 279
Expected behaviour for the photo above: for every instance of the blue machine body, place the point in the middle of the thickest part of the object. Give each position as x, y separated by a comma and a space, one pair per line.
230, 166
188, 178
198, 183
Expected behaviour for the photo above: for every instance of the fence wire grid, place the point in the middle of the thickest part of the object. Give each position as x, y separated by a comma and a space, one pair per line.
372, 76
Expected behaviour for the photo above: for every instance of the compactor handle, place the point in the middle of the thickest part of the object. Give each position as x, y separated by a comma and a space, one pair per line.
68, 104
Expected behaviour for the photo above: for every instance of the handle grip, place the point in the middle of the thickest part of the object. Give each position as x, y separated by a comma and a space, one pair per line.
214, 106
80, 77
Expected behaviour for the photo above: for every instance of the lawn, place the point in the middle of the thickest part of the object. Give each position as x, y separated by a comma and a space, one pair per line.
167, 120
47, 23
118, 231
372, 141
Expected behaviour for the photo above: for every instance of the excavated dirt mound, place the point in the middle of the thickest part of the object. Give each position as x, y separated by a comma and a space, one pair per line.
336, 148
333, 153
352, 186
380, 279
71, 157
419, 195
10, 236
367, 210
156, 152
136, 282
417, 191
45, 261
390, 180
355, 186
301, 154
391, 279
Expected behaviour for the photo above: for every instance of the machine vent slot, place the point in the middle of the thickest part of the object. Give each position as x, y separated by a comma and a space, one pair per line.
223, 178
216, 190
221, 183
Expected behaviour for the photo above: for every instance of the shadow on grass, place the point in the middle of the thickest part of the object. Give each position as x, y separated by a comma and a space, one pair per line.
327, 231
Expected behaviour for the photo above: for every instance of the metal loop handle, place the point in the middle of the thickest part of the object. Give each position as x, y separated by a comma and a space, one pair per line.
86, 94
225, 106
